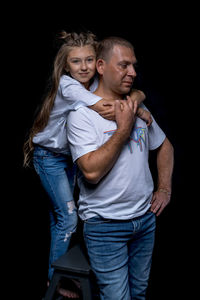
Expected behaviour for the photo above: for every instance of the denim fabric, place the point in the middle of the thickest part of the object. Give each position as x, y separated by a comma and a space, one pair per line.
57, 175
120, 254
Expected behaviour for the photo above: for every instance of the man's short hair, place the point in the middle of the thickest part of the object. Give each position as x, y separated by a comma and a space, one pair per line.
106, 46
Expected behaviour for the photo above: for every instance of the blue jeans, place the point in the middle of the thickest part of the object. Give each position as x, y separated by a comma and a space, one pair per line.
57, 175
120, 254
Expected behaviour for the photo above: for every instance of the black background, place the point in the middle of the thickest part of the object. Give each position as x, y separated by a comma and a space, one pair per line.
164, 41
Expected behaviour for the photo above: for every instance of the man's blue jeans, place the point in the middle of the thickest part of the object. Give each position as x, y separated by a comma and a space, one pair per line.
120, 254
57, 173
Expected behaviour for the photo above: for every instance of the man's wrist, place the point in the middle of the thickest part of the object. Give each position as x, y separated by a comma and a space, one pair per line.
123, 133
164, 190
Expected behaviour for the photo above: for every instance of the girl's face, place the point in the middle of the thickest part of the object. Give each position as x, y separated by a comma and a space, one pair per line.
81, 64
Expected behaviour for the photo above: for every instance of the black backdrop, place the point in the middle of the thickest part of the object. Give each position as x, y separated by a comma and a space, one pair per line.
163, 42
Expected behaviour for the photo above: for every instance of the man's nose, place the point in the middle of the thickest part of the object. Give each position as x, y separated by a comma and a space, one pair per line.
131, 71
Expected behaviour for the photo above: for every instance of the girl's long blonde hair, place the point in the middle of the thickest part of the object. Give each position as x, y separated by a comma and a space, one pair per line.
69, 41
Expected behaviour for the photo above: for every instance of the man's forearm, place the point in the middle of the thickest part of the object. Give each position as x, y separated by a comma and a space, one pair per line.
98, 163
165, 164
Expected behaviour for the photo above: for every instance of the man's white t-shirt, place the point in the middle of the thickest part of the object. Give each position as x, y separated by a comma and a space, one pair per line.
126, 191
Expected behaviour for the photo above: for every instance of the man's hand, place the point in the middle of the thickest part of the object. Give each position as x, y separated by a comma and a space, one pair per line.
125, 114
107, 108
96, 164
159, 201
165, 163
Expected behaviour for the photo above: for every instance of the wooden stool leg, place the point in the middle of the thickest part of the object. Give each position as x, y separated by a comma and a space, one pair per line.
52, 287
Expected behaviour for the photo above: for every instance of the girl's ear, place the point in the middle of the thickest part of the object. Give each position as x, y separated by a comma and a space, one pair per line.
67, 69
100, 65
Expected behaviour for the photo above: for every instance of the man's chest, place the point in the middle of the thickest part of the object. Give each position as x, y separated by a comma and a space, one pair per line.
138, 138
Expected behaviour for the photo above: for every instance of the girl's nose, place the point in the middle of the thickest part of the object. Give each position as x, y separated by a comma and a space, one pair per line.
83, 65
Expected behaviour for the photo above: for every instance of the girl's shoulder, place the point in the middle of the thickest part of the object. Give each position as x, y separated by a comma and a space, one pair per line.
94, 84
67, 80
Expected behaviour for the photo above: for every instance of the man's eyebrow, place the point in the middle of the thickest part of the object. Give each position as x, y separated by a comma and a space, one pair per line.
128, 62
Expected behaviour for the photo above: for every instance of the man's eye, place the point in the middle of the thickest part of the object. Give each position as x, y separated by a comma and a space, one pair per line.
123, 66
90, 59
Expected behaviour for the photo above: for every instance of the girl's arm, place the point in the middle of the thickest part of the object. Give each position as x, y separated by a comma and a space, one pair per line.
144, 115
106, 108
139, 97
77, 96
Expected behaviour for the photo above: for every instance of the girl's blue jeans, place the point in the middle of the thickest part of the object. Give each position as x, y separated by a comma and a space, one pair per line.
120, 254
57, 175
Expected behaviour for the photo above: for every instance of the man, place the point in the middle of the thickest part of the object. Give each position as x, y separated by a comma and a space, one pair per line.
116, 201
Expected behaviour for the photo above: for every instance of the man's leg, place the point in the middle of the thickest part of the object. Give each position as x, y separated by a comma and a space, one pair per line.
140, 255
106, 242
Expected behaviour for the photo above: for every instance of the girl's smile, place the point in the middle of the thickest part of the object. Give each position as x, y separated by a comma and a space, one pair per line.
81, 64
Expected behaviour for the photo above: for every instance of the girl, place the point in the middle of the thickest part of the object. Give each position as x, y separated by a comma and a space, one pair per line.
72, 78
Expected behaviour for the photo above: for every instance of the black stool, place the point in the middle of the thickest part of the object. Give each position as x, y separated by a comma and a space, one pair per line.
72, 265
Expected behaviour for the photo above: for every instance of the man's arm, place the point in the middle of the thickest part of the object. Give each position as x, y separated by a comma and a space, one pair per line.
96, 164
165, 164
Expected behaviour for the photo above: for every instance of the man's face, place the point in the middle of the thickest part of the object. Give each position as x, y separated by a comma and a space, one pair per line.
119, 72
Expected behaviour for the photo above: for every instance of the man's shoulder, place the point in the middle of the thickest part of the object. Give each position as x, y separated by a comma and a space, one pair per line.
82, 113
83, 110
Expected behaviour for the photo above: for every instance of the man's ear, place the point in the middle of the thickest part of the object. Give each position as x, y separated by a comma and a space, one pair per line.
100, 65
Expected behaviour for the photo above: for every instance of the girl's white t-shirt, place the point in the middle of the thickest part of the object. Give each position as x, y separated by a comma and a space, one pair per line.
71, 95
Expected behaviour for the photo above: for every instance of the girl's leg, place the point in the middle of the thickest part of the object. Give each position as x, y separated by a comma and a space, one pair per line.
52, 169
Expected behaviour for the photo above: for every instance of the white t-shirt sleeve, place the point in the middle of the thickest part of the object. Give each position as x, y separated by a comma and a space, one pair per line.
79, 129
155, 133
75, 93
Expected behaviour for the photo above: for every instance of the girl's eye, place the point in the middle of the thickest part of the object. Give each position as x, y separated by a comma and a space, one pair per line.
90, 59
75, 61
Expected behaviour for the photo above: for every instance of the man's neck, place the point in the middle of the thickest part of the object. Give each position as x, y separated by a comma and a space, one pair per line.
106, 93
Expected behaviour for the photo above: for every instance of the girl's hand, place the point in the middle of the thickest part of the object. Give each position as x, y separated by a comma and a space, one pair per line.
144, 115
137, 95
105, 108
